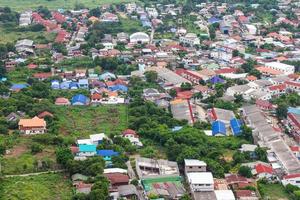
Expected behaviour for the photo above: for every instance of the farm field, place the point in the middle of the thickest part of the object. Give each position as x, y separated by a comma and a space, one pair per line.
20, 5
84, 121
39, 187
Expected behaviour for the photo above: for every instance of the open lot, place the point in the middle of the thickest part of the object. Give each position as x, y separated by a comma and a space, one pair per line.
39, 187
20, 5
20, 160
84, 121
11, 34
273, 192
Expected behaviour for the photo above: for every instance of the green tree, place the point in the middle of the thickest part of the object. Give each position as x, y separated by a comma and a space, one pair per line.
245, 171
151, 76
173, 93
261, 154
281, 110
63, 155
36, 148
186, 86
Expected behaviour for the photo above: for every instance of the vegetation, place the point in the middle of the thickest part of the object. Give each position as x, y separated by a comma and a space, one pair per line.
39, 187
54, 4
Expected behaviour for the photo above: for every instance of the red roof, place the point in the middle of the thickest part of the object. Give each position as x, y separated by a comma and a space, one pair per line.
277, 87
61, 100
233, 178
225, 71
243, 19
74, 149
251, 78
42, 75
294, 148
294, 119
44, 114
293, 83
96, 96
117, 178
185, 95
263, 103
129, 132
292, 176
58, 17
260, 168
32, 66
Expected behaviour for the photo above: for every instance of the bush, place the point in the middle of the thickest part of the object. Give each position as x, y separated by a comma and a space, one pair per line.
245, 171
36, 148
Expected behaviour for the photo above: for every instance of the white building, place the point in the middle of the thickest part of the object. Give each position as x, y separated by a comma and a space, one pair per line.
193, 165
190, 39
285, 68
201, 181
139, 38
224, 195
293, 179
25, 18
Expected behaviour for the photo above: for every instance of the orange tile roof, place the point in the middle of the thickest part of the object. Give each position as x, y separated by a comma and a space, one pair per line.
268, 70
34, 122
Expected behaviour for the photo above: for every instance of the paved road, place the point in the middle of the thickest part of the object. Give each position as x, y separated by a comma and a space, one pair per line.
33, 174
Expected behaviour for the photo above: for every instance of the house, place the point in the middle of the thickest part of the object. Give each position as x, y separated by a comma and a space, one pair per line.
284, 68
79, 99
60, 101
236, 126
86, 150
107, 76
32, 126
44, 114
224, 195
200, 181
293, 179
264, 171
128, 192
182, 110
24, 46
17, 87
190, 39
293, 86
216, 79
42, 76
118, 87
109, 17
13, 117
250, 148
55, 84
107, 154
83, 83
246, 195
82, 187
264, 104
218, 128
117, 179
193, 165
132, 136
192, 76
218, 114
97, 138
65, 85
73, 85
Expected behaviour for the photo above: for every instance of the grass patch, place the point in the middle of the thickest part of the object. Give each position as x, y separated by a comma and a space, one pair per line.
20, 5
84, 121
40, 187
20, 160
9, 33
273, 191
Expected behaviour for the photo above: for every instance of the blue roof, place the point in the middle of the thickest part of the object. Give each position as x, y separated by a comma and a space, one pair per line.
55, 84
79, 98
64, 85
213, 20
73, 85
294, 110
83, 82
218, 127
216, 79
18, 86
236, 125
107, 152
118, 87
87, 148
146, 23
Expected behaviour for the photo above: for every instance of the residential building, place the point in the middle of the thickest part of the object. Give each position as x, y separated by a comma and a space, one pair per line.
32, 126
201, 181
